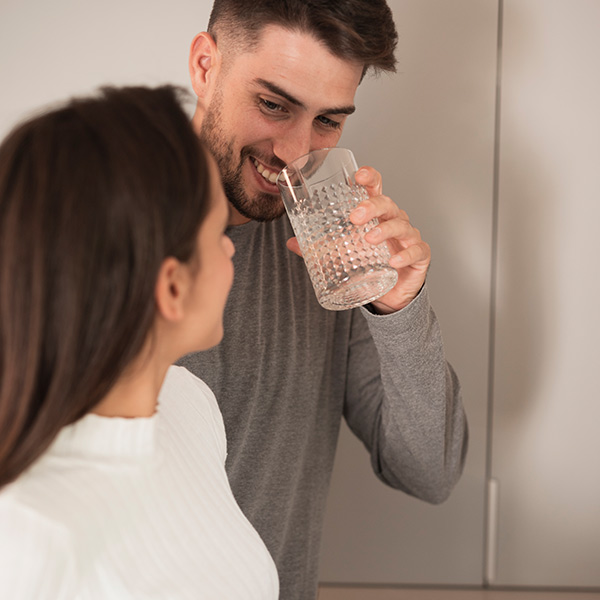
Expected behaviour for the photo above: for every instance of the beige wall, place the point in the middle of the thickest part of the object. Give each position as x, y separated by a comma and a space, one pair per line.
542, 200
430, 130
546, 394
50, 49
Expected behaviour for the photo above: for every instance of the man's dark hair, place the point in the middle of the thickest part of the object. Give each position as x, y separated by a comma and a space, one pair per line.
361, 31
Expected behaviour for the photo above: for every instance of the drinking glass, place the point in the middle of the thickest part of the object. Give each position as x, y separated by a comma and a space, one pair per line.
319, 191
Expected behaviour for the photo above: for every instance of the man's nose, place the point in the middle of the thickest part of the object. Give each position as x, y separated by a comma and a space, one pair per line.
294, 143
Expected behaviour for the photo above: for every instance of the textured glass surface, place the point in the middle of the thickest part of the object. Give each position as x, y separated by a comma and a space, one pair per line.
345, 270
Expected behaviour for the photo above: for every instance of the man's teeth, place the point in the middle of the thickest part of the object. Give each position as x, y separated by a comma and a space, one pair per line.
268, 175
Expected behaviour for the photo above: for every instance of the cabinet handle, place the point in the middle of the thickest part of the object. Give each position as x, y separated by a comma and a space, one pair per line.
491, 549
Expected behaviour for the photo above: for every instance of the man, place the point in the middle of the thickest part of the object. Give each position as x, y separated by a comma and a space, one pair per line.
274, 80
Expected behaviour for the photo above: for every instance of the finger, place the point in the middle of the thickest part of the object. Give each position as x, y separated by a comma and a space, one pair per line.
370, 179
398, 229
293, 245
380, 207
416, 254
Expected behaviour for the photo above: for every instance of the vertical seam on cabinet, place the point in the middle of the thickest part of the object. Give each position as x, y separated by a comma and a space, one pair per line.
489, 519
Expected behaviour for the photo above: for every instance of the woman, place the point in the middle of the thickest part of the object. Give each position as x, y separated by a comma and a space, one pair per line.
113, 264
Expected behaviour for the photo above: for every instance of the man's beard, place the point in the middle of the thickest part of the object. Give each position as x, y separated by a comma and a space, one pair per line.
260, 207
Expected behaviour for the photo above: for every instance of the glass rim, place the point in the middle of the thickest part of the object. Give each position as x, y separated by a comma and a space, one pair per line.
283, 175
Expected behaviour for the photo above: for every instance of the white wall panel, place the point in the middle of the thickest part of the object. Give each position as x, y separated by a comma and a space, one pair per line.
546, 397
50, 50
430, 130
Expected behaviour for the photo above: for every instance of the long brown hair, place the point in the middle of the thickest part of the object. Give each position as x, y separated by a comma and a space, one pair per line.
94, 196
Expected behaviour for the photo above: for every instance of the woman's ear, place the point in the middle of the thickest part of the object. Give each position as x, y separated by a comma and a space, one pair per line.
204, 65
171, 288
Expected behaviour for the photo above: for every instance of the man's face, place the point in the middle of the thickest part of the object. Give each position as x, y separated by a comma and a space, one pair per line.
270, 106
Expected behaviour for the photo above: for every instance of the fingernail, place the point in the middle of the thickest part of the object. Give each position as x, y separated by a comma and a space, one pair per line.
396, 261
375, 233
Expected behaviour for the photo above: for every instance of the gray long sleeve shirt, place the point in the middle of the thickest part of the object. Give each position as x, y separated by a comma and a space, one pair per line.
286, 372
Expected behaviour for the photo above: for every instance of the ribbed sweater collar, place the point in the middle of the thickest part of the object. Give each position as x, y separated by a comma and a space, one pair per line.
107, 437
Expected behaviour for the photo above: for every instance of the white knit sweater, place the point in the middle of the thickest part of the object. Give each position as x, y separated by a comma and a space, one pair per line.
134, 508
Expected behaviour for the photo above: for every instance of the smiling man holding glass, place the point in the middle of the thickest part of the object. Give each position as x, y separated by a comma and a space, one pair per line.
276, 80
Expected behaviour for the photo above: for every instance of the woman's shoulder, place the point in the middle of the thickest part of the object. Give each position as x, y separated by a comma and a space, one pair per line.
182, 389
36, 553
187, 402
20, 514
181, 380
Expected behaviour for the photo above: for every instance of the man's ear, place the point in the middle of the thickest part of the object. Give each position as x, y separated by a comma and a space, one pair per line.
204, 65
170, 290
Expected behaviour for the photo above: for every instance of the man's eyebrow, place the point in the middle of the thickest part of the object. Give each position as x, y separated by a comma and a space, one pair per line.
275, 89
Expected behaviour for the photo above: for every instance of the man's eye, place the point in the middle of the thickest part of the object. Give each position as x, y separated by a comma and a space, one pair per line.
328, 122
272, 106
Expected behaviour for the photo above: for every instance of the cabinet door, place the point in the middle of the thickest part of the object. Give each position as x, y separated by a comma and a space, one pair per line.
430, 130
546, 395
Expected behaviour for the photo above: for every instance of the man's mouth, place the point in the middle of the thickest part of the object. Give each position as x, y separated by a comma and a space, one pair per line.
270, 176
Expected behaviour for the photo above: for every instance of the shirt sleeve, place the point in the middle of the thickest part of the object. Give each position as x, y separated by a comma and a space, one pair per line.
35, 556
404, 401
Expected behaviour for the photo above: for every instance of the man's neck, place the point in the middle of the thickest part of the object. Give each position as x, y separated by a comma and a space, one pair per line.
236, 218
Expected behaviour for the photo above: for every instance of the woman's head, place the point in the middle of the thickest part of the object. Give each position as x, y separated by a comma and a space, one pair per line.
94, 196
